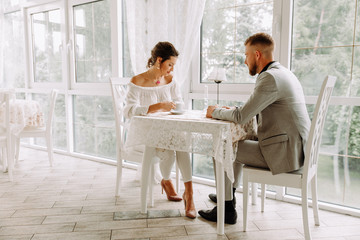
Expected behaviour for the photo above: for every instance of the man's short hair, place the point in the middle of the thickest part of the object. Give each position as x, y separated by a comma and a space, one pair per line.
263, 39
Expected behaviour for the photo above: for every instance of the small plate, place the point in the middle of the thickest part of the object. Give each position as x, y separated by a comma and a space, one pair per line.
177, 112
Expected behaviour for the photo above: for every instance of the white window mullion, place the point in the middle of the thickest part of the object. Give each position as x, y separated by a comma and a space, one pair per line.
282, 23
286, 33
116, 38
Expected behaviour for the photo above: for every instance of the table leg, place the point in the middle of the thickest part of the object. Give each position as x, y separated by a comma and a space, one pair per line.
145, 172
220, 192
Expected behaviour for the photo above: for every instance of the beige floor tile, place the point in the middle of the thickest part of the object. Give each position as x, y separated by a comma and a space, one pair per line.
282, 224
17, 237
104, 209
341, 231
339, 220
266, 235
164, 222
79, 218
46, 212
148, 232
6, 213
98, 235
27, 205
15, 221
56, 197
44, 228
86, 203
195, 237
111, 225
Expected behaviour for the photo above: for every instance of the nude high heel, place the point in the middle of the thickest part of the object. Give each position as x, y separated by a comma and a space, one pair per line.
190, 211
169, 190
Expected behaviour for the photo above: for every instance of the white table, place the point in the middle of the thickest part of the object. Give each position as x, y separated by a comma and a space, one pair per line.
193, 132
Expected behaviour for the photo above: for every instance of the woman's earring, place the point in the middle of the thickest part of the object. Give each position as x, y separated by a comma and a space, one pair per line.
158, 67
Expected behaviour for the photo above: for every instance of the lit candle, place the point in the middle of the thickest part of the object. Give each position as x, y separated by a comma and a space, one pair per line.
206, 93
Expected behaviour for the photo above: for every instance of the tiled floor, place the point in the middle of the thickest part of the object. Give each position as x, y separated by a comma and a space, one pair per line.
75, 200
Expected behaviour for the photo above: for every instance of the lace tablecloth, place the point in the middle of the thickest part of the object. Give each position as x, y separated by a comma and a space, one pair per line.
24, 113
191, 132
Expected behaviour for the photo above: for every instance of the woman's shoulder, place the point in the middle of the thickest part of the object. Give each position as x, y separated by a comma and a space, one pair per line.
138, 80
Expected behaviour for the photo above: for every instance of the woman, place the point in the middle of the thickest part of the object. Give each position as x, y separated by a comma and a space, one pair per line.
156, 91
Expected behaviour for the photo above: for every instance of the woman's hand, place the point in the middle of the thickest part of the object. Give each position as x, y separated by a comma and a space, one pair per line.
161, 107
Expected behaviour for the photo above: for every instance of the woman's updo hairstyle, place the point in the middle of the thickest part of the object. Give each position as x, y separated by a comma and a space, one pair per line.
165, 50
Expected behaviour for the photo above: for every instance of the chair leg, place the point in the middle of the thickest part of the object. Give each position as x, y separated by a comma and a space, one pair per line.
177, 177
3, 159
304, 203
254, 187
263, 189
17, 150
245, 198
49, 143
10, 159
118, 176
315, 201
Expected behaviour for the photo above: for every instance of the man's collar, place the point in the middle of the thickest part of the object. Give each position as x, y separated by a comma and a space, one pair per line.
266, 67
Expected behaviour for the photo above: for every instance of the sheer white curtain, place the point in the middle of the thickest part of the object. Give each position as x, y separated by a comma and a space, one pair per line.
176, 21
2, 34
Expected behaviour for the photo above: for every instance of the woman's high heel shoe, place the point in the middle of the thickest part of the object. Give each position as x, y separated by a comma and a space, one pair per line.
190, 211
169, 190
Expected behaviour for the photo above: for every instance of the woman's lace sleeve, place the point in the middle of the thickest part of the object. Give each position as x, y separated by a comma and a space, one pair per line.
132, 105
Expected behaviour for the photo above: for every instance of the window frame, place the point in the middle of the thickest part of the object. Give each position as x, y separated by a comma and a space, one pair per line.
115, 17
28, 11
242, 91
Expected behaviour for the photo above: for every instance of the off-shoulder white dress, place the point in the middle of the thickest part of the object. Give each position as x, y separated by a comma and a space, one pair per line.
138, 101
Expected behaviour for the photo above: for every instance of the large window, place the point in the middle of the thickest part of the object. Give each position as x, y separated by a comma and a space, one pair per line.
46, 39
13, 50
92, 42
225, 27
69, 47
325, 40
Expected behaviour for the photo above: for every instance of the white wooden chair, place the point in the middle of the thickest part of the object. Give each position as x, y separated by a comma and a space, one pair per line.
119, 90
45, 132
305, 176
6, 142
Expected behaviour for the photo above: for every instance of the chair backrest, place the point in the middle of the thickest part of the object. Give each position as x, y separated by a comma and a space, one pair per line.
316, 129
118, 91
5, 114
53, 96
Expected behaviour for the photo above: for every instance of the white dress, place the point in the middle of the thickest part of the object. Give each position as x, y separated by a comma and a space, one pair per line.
138, 100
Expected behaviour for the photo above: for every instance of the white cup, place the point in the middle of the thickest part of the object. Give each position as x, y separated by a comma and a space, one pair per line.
179, 106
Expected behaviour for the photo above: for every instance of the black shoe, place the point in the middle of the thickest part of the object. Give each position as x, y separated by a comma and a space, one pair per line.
211, 215
212, 197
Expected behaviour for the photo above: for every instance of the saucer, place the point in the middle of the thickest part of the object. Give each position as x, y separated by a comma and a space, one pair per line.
177, 112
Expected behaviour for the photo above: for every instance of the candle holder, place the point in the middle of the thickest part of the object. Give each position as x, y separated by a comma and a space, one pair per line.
217, 75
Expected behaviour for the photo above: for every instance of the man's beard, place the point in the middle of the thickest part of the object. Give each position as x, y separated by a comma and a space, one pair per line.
252, 71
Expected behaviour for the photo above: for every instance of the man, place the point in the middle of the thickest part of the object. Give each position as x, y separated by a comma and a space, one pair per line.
283, 121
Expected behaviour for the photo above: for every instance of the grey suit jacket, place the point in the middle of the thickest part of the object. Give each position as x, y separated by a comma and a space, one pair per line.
283, 120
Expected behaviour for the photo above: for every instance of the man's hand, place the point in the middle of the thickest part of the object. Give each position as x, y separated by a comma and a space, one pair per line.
210, 110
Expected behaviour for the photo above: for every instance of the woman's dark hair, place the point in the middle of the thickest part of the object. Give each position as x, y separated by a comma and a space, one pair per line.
165, 50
